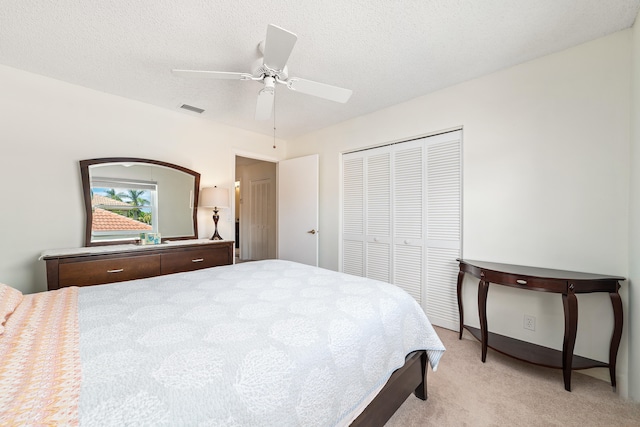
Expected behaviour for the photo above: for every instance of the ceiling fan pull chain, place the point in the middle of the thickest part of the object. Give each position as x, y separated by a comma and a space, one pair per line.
274, 118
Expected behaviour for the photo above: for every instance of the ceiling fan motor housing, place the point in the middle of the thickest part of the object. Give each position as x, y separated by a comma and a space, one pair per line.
259, 69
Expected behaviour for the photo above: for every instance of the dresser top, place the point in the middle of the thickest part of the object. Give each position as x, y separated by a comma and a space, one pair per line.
95, 250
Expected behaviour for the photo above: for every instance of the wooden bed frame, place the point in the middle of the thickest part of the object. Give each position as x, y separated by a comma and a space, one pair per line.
412, 377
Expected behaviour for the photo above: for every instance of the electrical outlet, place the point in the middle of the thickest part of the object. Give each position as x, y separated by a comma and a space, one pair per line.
529, 322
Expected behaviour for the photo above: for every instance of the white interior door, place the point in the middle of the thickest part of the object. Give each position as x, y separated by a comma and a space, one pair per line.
260, 224
298, 200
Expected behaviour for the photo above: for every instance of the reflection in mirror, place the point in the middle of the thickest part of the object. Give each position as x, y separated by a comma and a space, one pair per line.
127, 196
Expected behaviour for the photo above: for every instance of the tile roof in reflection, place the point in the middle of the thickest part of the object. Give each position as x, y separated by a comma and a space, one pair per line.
103, 220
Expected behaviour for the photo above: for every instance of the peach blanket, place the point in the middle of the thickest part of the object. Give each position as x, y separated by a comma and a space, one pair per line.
40, 361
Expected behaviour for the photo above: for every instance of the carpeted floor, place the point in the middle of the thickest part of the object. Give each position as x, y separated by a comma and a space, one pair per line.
506, 392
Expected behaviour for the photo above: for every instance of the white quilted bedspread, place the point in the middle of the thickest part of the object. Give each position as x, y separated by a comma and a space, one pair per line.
267, 343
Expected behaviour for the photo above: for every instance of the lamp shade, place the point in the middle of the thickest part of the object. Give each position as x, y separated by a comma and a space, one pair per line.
214, 197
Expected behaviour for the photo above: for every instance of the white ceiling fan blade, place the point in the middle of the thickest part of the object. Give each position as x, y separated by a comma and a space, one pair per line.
211, 74
321, 90
264, 104
277, 47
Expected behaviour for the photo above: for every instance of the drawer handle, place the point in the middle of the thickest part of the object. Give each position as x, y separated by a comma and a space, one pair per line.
521, 282
120, 270
197, 260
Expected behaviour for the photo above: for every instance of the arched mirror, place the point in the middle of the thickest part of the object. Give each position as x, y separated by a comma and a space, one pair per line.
126, 196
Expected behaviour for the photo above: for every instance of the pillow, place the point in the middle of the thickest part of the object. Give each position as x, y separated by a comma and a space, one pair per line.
10, 298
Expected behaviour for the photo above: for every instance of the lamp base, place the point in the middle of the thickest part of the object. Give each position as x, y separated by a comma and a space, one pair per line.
216, 217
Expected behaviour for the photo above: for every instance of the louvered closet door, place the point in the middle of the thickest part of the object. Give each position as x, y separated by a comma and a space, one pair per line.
444, 219
378, 215
353, 215
408, 208
401, 216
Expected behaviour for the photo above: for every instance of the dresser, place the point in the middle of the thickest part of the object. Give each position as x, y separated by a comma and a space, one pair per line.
108, 264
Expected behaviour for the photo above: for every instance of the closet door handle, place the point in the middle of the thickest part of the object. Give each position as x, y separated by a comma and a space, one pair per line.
312, 231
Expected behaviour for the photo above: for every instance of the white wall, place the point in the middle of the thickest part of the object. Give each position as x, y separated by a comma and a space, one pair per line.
48, 126
634, 221
546, 179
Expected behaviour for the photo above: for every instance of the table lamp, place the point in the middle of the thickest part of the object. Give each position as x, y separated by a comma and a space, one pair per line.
216, 198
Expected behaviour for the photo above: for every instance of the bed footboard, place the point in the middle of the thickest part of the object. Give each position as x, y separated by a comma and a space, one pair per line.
412, 377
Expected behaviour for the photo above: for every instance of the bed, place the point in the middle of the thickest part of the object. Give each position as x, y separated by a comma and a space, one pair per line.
269, 343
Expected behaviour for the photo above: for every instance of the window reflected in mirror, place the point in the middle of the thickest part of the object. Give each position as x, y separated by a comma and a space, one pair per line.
122, 208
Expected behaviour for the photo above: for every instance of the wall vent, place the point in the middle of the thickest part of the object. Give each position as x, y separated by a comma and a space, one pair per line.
192, 108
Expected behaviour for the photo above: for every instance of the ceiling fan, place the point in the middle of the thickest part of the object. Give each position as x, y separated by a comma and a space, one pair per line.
272, 69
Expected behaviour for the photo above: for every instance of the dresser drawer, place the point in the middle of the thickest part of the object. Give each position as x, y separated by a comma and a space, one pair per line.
96, 272
195, 259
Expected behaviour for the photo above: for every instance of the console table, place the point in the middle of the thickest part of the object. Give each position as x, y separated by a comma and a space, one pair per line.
97, 265
567, 283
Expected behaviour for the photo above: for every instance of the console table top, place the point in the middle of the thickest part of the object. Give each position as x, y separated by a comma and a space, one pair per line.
544, 273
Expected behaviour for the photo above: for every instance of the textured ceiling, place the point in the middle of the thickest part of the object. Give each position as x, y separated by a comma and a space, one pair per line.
385, 51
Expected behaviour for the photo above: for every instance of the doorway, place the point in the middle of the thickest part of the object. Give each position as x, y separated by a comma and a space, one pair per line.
255, 209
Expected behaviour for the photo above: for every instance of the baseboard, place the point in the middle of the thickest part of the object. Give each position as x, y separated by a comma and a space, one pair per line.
622, 384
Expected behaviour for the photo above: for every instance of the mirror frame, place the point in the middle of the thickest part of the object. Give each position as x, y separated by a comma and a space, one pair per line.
86, 190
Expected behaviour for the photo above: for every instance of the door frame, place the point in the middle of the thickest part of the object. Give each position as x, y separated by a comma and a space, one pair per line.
256, 156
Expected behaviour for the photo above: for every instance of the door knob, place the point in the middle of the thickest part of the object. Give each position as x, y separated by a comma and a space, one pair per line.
312, 231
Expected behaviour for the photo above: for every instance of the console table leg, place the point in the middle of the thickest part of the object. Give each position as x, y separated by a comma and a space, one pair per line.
616, 301
483, 289
570, 303
460, 309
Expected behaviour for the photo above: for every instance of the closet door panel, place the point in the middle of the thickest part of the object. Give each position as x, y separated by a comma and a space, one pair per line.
444, 191
353, 257
408, 201
444, 219
408, 270
378, 214
441, 299
408, 218
353, 215
378, 265
353, 196
378, 192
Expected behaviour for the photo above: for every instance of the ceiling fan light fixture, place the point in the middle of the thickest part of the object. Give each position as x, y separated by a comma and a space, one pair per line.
269, 84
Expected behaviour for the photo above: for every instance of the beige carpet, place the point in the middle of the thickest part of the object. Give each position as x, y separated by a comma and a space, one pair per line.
506, 392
